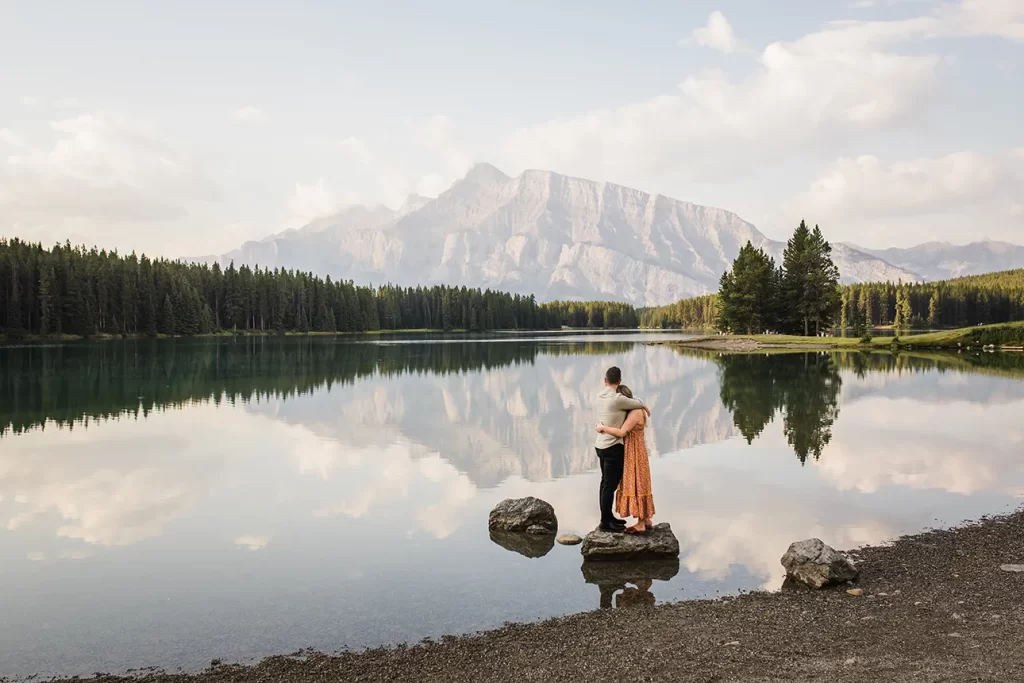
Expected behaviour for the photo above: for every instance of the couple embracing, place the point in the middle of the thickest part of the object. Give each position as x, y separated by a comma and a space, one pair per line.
622, 451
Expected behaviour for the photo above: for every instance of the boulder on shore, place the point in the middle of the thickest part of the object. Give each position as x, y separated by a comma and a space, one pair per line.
530, 515
817, 565
659, 542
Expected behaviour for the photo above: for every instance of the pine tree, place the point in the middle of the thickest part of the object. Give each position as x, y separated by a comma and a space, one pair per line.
933, 310
796, 266
747, 293
46, 302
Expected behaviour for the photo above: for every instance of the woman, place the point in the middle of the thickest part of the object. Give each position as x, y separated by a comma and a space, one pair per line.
634, 497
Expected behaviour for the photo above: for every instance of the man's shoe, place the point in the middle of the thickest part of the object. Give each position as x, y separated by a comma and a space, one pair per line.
618, 523
615, 529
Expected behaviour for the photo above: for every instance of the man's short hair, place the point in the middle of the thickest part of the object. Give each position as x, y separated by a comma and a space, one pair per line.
613, 376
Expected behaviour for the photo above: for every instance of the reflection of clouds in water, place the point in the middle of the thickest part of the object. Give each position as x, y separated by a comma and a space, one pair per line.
954, 447
105, 494
388, 475
252, 543
123, 481
443, 518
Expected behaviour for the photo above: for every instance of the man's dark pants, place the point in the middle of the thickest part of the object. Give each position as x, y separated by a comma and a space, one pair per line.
612, 460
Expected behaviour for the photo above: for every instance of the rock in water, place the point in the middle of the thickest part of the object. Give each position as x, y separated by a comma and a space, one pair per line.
817, 565
531, 515
569, 539
658, 542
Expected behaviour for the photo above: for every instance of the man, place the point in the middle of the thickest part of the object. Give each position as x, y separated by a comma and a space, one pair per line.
612, 408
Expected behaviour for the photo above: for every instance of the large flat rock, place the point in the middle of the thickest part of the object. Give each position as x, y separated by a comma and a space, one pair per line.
659, 542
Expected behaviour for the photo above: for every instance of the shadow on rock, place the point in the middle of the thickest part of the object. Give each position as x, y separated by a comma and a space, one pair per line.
527, 545
612, 577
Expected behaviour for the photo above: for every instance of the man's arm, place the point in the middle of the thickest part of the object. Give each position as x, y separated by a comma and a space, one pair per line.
624, 403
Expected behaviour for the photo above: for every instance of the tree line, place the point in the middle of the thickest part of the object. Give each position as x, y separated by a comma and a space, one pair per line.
961, 302
71, 290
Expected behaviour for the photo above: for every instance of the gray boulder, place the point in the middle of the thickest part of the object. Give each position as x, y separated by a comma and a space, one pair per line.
530, 515
659, 542
817, 565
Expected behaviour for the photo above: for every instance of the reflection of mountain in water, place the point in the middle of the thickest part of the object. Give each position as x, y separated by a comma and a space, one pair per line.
534, 421
494, 410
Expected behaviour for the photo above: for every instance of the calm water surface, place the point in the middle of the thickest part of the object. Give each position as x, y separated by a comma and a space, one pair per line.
168, 503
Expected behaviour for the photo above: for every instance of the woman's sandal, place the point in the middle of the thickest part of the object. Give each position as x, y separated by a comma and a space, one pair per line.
636, 532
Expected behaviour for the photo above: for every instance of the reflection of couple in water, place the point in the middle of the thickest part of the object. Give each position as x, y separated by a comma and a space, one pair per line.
622, 451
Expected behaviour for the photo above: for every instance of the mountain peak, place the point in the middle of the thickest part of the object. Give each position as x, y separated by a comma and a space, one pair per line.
413, 202
484, 173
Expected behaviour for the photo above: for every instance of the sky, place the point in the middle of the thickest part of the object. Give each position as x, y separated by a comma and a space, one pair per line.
187, 128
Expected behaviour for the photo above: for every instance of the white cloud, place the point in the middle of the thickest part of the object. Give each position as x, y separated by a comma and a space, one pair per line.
868, 187
999, 18
30, 101
810, 96
868, 200
320, 199
717, 34
252, 543
356, 149
100, 171
805, 95
248, 114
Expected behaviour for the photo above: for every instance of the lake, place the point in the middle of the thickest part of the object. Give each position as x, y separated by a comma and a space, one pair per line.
171, 502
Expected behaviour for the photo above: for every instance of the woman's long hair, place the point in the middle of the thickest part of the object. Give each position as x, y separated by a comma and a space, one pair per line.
628, 393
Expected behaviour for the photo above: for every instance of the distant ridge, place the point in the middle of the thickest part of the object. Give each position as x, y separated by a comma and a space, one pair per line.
943, 260
540, 233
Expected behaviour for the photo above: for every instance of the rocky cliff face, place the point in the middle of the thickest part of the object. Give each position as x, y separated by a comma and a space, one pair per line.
539, 233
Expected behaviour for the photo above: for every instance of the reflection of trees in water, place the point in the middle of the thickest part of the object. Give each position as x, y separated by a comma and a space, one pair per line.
804, 388
74, 383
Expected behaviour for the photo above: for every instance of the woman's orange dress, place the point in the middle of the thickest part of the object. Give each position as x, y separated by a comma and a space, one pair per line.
634, 498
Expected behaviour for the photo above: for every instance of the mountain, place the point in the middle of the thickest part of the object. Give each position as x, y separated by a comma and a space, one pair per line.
540, 233
943, 261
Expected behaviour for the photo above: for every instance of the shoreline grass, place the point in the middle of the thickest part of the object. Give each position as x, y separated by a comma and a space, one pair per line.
999, 336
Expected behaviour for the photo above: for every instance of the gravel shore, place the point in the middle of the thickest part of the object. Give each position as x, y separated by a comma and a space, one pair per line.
935, 607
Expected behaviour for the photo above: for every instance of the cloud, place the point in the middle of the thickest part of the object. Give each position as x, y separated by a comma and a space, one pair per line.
874, 199
389, 180
356, 149
996, 18
96, 170
248, 114
868, 187
316, 200
30, 101
810, 94
717, 34
252, 543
